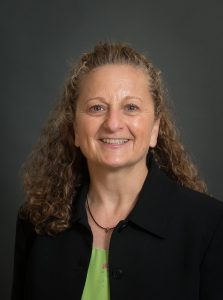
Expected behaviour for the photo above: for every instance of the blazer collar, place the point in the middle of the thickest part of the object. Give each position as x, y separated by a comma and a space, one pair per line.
151, 210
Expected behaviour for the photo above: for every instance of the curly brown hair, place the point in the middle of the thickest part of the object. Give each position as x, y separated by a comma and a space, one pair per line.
55, 167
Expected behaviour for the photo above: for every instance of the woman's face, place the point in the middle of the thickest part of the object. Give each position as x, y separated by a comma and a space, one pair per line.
115, 123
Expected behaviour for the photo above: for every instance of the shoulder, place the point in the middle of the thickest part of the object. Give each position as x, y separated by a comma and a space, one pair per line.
188, 209
195, 212
25, 231
183, 200
197, 202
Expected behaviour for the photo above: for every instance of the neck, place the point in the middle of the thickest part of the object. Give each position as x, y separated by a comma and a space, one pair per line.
115, 191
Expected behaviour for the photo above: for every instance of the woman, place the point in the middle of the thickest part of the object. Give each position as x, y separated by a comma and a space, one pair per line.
114, 207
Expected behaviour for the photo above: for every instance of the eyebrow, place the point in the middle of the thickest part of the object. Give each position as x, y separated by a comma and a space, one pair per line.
133, 97
125, 98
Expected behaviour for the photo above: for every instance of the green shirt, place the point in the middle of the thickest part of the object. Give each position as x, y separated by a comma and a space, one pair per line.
97, 281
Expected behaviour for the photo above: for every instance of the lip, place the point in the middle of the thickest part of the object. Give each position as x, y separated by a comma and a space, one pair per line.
121, 142
114, 141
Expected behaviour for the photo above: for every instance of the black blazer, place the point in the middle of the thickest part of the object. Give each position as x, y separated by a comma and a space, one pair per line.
169, 247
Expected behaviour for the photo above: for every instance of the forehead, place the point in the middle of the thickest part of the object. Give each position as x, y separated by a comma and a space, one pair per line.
111, 78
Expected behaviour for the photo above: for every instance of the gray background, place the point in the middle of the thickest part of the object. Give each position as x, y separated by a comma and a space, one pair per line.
41, 38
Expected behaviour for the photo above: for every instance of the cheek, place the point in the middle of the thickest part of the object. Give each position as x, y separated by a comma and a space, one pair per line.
84, 131
142, 127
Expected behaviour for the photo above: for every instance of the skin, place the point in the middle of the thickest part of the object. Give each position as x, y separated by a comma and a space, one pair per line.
114, 127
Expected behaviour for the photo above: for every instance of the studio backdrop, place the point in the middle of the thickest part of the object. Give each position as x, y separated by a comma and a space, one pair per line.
41, 39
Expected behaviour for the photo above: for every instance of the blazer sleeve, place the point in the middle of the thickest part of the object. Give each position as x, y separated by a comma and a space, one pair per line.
23, 241
211, 280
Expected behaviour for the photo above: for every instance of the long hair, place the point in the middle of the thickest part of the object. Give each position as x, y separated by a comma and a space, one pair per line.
55, 168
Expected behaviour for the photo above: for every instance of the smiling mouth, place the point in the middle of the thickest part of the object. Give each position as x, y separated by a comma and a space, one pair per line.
114, 141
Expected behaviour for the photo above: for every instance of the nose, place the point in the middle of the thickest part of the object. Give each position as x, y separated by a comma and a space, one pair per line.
114, 120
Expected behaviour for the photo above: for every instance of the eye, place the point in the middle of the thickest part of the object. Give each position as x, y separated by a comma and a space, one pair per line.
131, 107
96, 108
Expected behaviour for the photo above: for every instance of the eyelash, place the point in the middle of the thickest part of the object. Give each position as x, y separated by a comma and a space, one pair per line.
131, 105
95, 108
98, 108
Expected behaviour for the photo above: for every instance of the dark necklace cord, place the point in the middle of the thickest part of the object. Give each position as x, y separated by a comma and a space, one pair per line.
106, 229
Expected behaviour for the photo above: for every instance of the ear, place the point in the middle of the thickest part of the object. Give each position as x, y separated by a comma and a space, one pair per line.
76, 136
154, 133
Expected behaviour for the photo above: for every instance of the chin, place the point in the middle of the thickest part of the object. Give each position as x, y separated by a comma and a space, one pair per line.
116, 165
113, 165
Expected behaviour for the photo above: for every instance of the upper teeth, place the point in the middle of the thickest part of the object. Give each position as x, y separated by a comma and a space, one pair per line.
114, 141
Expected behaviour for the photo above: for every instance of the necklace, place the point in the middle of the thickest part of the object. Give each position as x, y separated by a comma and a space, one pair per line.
106, 229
